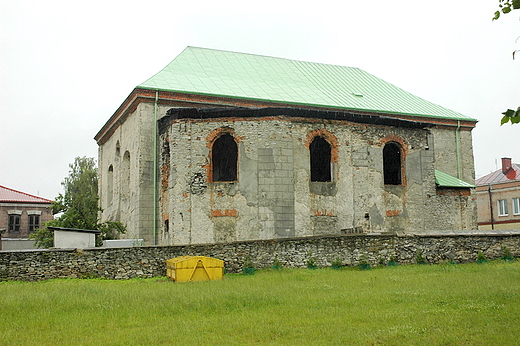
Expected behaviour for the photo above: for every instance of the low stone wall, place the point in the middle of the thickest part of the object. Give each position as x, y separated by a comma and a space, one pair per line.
149, 261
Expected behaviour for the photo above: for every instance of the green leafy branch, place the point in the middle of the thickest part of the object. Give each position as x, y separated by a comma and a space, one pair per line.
506, 6
511, 116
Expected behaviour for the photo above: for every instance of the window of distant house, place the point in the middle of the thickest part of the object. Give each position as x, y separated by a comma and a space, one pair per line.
502, 207
34, 222
516, 206
320, 157
392, 165
14, 223
224, 159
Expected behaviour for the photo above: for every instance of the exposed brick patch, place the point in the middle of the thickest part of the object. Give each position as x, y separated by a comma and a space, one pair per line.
224, 212
393, 212
324, 212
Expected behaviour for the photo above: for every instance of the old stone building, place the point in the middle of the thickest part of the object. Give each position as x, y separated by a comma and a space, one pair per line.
222, 146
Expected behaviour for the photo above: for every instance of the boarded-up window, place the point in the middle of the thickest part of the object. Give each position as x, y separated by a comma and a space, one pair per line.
320, 152
224, 158
392, 165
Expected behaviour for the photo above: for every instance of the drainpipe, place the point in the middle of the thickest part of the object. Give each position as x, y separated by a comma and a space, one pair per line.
457, 143
491, 207
155, 111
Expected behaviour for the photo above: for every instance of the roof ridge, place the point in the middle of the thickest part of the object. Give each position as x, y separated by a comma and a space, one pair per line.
268, 56
25, 193
497, 176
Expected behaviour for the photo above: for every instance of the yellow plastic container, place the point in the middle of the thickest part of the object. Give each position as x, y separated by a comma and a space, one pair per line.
194, 268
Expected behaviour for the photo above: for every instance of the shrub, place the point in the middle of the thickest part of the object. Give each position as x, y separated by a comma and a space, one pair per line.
363, 263
248, 267
392, 262
311, 262
337, 264
506, 254
481, 258
277, 264
419, 257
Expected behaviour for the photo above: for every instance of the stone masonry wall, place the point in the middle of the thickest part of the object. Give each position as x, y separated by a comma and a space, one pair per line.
273, 197
125, 263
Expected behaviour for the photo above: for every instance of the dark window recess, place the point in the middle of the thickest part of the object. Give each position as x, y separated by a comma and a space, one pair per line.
392, 164
34, 222
224, 158
14, 223
320, 151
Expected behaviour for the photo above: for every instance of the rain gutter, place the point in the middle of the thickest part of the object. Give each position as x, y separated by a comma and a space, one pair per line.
155, 111
491, 207
457, 140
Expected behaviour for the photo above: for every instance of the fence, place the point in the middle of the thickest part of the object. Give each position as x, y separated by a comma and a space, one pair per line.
149, 261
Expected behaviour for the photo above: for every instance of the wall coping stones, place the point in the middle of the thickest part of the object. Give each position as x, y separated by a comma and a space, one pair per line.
496, 232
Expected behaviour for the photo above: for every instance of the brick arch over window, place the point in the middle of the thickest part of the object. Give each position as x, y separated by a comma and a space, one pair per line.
323, 152
223, 156
394, 153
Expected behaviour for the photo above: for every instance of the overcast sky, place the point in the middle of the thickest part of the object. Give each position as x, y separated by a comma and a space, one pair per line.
66, 66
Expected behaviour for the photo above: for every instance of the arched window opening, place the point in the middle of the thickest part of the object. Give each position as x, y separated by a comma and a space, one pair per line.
224, 158
110, 184
320, 152
392, 165
125, 175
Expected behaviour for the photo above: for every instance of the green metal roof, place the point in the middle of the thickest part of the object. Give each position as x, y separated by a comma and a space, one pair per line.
445, 180
255, 77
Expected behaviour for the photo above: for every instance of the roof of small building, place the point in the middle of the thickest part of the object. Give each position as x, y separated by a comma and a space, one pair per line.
445, 180
65, 229
254, 77
498, 176
13, 196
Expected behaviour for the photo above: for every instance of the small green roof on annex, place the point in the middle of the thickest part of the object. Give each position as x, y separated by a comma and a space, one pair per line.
220, 73
445, 180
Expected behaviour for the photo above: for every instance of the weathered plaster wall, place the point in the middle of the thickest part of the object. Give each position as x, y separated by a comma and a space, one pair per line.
273, 197
130, 197
445, 142
125, 263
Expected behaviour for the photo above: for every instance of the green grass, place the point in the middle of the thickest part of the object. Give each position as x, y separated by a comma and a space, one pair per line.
466, 304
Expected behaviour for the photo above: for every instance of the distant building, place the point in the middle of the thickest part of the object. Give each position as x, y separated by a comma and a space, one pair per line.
224, 146
22, 213
498, 198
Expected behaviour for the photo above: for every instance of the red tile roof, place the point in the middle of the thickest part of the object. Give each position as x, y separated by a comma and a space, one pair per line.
13, 196
499, 177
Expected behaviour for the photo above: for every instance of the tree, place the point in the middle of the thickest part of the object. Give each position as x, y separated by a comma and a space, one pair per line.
507, 6
79, 205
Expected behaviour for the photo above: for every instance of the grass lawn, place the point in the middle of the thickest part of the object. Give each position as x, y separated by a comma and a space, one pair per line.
467, 304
